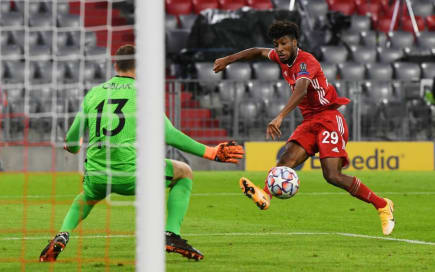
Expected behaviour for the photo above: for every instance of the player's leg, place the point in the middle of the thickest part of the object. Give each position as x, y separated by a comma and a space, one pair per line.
179, 180
331, 168
301, 144
331, 141
179, 195
332, 173
293, 156
79, 210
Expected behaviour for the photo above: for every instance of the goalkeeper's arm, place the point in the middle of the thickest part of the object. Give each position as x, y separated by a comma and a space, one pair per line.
224, 152
74, 136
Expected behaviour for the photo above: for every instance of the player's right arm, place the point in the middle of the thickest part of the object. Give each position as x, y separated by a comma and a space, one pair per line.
74, 136
247, 54
299, 92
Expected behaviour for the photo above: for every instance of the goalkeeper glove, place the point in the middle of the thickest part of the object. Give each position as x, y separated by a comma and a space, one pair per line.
225, 152
73, 147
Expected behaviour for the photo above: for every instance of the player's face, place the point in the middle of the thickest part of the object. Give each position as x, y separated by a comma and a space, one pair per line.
285, 47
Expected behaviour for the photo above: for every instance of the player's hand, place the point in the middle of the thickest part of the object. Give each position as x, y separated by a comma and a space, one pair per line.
220, 64
225, 152
229, 152
73, 148
273, 130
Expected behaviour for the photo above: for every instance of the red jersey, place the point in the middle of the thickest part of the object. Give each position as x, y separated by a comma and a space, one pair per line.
320, 95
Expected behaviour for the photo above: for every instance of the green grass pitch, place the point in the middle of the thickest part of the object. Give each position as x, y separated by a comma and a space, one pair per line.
321, 229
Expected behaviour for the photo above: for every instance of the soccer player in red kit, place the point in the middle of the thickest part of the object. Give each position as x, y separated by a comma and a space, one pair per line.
323, 129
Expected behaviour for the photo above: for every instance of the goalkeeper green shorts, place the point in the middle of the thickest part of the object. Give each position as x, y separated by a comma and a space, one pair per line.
98, 191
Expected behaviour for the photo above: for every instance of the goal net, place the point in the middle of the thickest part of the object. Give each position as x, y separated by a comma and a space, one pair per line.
51, 54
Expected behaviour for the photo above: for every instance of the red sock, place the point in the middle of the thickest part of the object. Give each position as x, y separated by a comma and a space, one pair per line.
266, 189
360, 191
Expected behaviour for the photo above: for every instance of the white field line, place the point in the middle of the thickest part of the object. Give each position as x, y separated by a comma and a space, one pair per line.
72, 237
319, 193
128, 203
353, 235
223, 194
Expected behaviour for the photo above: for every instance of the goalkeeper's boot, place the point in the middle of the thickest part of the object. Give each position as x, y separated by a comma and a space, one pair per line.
56, 246
174, 243
387, 218
259, 196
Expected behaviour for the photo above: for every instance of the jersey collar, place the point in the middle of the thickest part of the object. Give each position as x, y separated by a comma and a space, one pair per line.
124, 76
297, 53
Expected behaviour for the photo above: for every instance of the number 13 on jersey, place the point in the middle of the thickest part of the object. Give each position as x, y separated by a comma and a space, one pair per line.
118, 111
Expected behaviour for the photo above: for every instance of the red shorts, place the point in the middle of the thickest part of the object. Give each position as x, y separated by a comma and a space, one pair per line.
325, 132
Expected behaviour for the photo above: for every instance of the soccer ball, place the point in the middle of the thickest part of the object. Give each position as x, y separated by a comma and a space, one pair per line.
282, 182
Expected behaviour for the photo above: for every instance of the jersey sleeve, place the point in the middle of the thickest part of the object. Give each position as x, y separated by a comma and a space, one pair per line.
74, 136
273, 56
179, 140
307, 68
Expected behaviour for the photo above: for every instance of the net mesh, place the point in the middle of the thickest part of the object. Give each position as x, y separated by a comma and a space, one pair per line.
52, 53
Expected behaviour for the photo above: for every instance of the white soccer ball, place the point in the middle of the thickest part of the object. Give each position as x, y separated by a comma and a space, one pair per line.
282, 182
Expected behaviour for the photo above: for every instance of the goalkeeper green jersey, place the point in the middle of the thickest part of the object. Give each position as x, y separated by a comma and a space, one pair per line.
108, 112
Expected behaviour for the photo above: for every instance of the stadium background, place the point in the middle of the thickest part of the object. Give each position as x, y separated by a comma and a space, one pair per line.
46, 70
53, 52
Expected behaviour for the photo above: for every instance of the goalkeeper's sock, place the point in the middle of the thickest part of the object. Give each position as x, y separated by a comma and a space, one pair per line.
78, 211
360, 191
178, 202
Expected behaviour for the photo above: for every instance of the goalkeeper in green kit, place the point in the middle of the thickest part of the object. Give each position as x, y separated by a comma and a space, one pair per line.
109, 114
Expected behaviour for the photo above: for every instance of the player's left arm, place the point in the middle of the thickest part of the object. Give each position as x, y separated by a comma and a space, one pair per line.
74, 136
223, 152
300, 90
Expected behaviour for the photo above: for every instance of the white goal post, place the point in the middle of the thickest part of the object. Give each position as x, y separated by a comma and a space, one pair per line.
150, 187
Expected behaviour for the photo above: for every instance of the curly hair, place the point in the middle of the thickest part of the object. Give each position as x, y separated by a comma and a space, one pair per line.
283, 28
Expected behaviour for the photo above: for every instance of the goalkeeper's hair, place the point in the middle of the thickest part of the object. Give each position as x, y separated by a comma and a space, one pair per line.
124, 57
283, 28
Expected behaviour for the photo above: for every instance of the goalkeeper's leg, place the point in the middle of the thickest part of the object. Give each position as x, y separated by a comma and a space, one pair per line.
179, 180
79, 210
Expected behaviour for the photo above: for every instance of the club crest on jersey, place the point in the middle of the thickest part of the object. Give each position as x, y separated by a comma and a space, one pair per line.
302, 69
